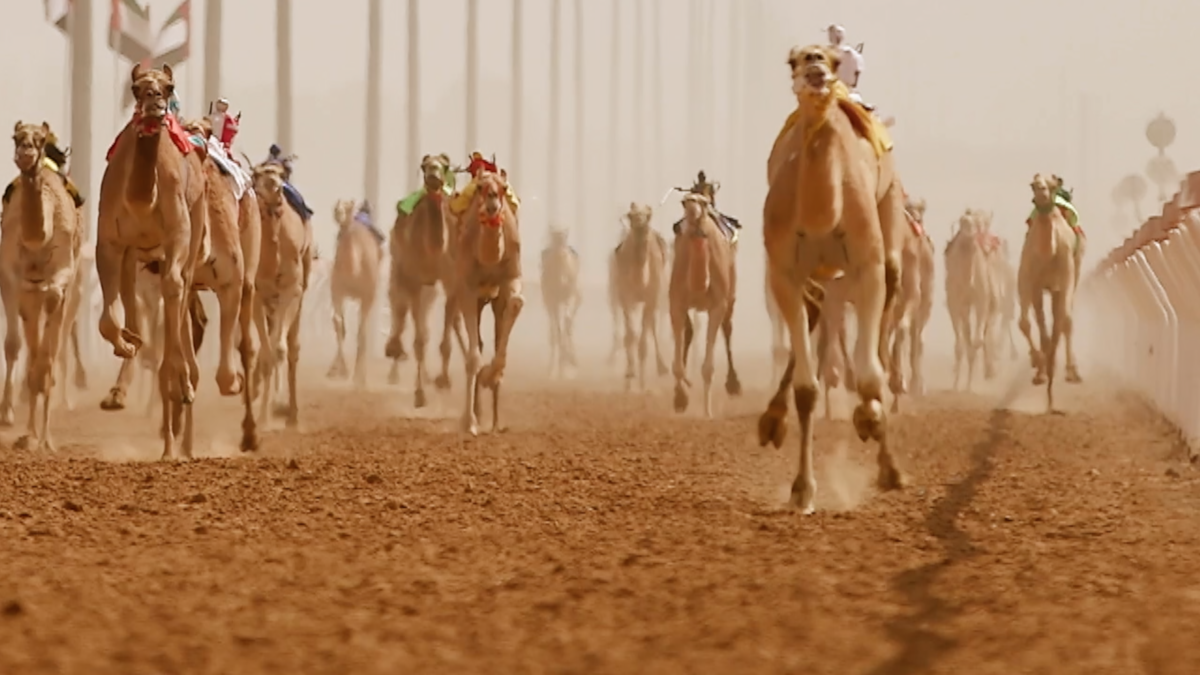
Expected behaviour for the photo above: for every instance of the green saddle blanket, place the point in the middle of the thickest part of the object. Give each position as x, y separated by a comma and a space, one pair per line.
405, 206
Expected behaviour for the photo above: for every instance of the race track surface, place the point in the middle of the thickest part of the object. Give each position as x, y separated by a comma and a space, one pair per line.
603, 534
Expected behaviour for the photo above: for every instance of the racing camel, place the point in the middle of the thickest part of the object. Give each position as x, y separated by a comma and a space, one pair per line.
637, 272
45, 222
834, 205
489, 272
283, 276
1048, 265
913, 307
355, 276
704, 279
561, 298
154, 210
422, 256
971, 294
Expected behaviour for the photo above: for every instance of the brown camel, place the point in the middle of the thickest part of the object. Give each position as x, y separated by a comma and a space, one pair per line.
283, 276
153, 209
422, 257
639, 265
489, 272
913, 307
46, 224
1048, 265
561, 298
355, 276
971, 294
148, 295
704, 279
834, 206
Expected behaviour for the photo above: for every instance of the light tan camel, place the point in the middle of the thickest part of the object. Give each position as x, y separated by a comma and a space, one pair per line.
834, 205
971, 296
489, 272
355, 276
637, 276
1048, 265
283, 276
913, 307
561, 298
422, 248
1006, 297
703, 279
154, 209
46, 224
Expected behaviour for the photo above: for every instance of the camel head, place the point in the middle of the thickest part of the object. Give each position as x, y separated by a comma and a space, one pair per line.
695, 208
268, 185
814, 70
1043, 192
199, 127
152, 91
491, 190
969, 224
558, 237
638, 219
343, 212
433, 171
916, 209
29, 146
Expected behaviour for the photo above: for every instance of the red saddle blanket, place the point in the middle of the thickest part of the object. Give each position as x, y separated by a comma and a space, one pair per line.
175, 131
989, 242
917, 228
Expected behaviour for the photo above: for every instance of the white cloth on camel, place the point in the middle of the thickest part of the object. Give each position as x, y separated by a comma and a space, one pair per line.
239, 176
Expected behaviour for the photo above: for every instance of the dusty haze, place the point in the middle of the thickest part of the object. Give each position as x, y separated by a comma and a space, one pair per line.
985, 96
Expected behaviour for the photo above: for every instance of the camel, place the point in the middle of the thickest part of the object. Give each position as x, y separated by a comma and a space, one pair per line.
283, 278
489, 272
1048, 265
971, 294
355, 276
148, 295
561, 297
914, 305
422, 251
1006, 298
636, 273
704, 279
834, 206
44, 221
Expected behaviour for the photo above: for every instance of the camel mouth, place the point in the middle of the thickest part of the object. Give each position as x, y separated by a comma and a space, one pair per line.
817, 76
26, 162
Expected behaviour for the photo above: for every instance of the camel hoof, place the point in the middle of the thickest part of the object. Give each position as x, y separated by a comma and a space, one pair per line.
281, 410
231, 386
772, 428
470, 425
114, 401
393, 378
1039, 380
249, 442
24, 443
395, 349
6, 417
891, 478
733, 386
869, 420
419, 399
1073, 376
681, 399
442, 382
804, 499
292, 423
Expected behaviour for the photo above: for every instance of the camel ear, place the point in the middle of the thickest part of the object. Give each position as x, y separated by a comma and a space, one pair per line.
168, 72
18, 126
46, 128
426, 158
136, 73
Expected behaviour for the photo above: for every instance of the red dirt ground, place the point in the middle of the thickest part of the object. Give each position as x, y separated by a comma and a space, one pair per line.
602, 534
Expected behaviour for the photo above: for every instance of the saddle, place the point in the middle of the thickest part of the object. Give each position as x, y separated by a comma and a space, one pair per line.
175, 131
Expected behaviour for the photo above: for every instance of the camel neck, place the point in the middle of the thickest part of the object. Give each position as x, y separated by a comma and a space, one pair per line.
32, 207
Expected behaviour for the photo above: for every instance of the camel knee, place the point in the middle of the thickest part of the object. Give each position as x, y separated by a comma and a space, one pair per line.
806, 400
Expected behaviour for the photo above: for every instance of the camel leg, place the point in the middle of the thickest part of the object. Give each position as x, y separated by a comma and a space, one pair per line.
681, 330
32, 304
651, 318
229, 299
12, 343
402, 300
268, 362
338, 370
424, 303
63, 353
469, 309
366, 306
249, 350
573, 306
509, 308
174, 379
987, 343
632, 366
649, 331
451, 324
1035, 357
803, 376
81, 378
1058, 307
875, 283
292, 420
1067, 319
617, 310
733, 385
708, 367
1042, 360
56, 305
961, 340
111, 264
554, 319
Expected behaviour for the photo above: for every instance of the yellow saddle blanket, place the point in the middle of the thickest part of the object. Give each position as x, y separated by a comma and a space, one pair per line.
866, 125
460, 201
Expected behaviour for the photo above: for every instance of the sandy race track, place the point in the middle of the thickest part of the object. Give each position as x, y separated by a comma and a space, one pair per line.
602, 534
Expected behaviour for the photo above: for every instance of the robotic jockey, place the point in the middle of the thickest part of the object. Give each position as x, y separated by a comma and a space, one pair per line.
224, 125
851, 65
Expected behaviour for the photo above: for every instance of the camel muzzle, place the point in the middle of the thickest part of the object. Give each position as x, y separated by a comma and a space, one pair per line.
816, 75
26, 161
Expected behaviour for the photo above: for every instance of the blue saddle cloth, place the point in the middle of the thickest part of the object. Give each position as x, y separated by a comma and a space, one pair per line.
365, 220
292, 195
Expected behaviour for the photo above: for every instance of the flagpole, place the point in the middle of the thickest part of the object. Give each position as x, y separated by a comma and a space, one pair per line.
81, 106
212, 50
374, 103
283, 75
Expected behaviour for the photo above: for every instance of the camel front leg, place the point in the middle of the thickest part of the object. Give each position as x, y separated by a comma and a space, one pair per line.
803, 378
174, 379
1041, 362
510, 304
635, 367
402, 300
451, 325
293, 357
338, 369
366, 307
264, 377
680, 327
708, 368
553, 313
733, 385
249, 351
12, 341
1023, 324
651, 320
873, 284
1067, 320
469, 310
55, 305
32, 305
63, 354
111, 266
961, 340
229, 299
420, 311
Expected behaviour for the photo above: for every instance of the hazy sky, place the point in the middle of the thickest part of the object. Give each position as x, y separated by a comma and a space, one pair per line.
986, 94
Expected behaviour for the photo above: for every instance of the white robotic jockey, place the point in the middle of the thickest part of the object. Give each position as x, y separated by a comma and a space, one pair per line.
851, 67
